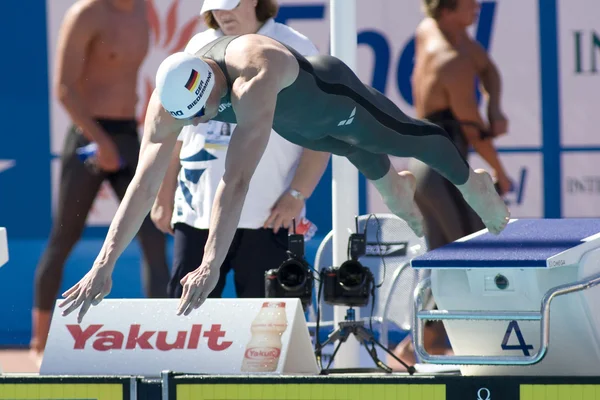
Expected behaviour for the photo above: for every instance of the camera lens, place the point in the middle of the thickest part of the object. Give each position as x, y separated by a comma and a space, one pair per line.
292, 275
501, 282
351, 275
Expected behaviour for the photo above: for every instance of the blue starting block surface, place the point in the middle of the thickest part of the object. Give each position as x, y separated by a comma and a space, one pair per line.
524, 243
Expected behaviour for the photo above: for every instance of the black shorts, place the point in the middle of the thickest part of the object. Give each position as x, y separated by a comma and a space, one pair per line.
252, 252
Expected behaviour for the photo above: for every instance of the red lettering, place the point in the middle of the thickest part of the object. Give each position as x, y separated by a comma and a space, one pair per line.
80, 336
134, 339
195, 336
213, 338
109, 340
161, 341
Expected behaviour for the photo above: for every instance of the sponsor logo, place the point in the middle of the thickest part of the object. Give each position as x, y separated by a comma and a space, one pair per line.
585, 185
262, 353
386, 249
383, 46
177, 113
135, 338
224, 106
349, 120
586, 43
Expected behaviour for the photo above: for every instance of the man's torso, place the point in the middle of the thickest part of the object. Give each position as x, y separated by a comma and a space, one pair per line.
109, 79
433, 53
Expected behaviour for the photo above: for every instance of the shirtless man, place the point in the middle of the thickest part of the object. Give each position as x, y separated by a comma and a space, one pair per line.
101, 46
316, 102
447, 61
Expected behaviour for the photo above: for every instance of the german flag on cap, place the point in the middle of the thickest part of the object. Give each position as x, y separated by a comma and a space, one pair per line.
192, 81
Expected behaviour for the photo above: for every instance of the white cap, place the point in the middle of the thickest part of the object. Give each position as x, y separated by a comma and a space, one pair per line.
210, 5
183, 83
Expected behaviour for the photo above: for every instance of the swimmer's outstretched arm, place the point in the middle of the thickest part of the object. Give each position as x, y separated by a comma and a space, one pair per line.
160, 135
254, 103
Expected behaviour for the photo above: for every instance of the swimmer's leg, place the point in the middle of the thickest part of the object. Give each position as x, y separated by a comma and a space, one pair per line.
397, 190
435, 148
381, 127
371, 121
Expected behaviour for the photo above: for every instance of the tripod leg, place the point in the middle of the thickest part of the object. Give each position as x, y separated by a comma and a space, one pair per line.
333, 336
411, 370
335, 352
366, 335
373, 353
341, 335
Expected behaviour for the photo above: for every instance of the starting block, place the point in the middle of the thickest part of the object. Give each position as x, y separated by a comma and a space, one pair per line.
517, 303
3, 247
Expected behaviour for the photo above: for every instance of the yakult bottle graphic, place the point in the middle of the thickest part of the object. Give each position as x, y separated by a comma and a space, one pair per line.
263, 349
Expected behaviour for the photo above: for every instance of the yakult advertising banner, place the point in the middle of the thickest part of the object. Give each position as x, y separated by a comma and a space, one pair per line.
228, 336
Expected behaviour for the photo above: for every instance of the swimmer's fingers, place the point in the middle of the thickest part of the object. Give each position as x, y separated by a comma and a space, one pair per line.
79, 298
184, 304
70, 291
200, 301
68, 301
85, 306
196, 295
105, 291
70, 295
184, 301
96, 300
209, 286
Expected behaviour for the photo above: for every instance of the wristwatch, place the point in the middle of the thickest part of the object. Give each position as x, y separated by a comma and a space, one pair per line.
297, 195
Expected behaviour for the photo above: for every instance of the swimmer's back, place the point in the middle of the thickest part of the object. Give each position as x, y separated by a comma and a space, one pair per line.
434, 56
311, 101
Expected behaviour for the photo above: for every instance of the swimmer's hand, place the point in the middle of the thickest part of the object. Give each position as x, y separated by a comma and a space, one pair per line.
498, 122
283, 212
503, 183
89, 291
197, 285
108, 158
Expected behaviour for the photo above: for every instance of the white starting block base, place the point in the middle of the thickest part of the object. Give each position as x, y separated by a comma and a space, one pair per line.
534, 256
3, 247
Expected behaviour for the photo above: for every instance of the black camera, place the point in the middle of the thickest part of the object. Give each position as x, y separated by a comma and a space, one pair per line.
293, 278
349, 284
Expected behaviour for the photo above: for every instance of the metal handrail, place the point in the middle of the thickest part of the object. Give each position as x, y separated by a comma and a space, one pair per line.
543, 316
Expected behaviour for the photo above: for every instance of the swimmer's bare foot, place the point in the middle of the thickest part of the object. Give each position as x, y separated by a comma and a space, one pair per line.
398, 193
480, 194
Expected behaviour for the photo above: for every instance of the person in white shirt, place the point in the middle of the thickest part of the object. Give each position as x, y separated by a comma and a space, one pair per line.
285, 177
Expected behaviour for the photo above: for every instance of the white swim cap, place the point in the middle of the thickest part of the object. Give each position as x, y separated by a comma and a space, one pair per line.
183, 83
